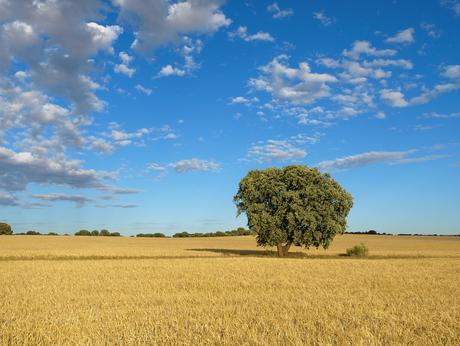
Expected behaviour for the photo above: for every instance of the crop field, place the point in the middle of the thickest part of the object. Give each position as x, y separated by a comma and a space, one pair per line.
226, 291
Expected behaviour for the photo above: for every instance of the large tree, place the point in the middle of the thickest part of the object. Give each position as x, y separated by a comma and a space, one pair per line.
293, 205
5, 229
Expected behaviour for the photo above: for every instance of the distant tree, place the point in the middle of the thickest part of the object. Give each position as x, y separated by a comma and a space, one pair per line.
104, 233
83, 232
293, 205
95, 233
52, 233
5, 229
33, 233
114, 234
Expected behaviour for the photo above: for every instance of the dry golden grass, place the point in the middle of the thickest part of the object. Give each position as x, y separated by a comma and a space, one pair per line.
225, 291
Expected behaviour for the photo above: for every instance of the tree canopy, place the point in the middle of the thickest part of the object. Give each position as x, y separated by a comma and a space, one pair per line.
293, 205
5, 229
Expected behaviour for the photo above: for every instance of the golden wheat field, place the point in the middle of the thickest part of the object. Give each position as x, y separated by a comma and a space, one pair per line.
226, 291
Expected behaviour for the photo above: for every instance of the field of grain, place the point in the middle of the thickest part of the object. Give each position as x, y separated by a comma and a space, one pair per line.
226, 291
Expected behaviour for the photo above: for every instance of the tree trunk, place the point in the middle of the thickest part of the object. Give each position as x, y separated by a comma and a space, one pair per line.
283, 249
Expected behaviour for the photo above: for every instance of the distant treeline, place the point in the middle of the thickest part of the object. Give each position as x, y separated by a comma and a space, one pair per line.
372, 232
235, 232
96, 233
151, 235
35, 233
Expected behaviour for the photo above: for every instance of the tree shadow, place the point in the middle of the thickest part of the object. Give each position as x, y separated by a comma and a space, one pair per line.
251, 253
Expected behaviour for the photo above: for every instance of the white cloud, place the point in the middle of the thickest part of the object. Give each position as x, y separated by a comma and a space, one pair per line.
403, 63
160, 22
242, 33
453, 5
124, 68
194, 165
278, 13
403, 36
394, 98
364, 159
365, 48
243, 100
190, 165
436, 115
79, 201
298, 85
275, 150
431, 30
18, 169
452, 72
142, 89
323, 19
103, 36
169, 70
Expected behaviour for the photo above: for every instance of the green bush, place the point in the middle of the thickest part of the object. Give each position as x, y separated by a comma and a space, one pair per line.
33, 233
358, 250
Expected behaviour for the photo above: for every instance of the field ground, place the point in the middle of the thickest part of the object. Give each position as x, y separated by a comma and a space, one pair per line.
226, 291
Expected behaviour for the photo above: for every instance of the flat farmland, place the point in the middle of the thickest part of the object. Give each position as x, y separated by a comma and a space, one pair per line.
226, 291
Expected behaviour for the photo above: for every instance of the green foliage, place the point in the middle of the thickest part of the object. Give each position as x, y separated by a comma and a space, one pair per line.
358, 250
95, 233
150, 235
293, 205
83, 232
52, 233
114, 234
33, 233
5, 229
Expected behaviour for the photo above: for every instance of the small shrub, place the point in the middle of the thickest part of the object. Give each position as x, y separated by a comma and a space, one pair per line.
358, 250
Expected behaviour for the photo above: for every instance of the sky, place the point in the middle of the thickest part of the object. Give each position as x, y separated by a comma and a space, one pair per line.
143, 116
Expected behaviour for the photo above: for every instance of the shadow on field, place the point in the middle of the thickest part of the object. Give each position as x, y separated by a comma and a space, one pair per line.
251, 253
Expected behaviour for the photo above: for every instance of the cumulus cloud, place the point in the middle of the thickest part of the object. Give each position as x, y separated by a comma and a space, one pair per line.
169, 70
242, 33
452, 72
394, 98
403, 36
278, 13
18, 169
124, 68
298, 85
157, 23
275, 150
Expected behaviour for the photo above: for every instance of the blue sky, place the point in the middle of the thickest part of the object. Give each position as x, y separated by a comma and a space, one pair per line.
142, 116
